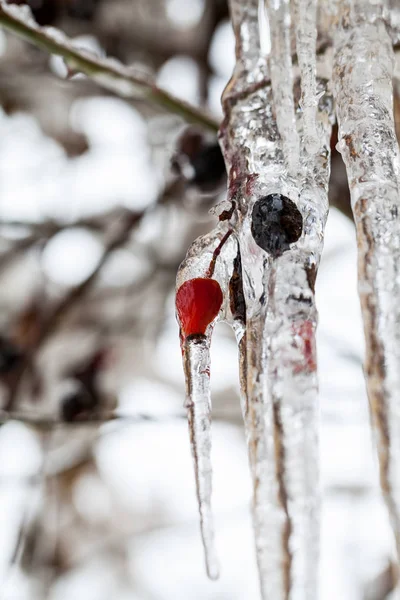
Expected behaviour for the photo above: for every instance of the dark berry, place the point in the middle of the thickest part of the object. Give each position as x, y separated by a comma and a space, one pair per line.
209, 166
276, 223
76, 405
10, 356
199, 161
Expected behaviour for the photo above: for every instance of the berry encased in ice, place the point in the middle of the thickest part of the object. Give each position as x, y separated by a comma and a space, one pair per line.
198, 302
276, 222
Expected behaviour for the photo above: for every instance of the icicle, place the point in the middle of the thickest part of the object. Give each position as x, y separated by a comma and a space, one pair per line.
198, 403
362, 79
305, 19
200, 301
244, 17
244, 124
280, 223
278, 220
282, 79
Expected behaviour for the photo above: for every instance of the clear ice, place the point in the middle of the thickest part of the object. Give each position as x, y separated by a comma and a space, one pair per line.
282, 79
276, 274
205, 263
306, 44
367, 141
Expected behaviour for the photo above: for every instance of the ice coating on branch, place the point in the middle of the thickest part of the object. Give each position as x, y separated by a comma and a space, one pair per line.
362, 80
282, 79
264, 255
201, 299
21, 12
278, 358
305, 19
108, 72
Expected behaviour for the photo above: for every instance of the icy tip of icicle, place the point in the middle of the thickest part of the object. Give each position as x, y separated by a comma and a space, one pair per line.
213, 570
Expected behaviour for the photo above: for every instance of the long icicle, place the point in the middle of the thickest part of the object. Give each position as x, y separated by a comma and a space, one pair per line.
305, 19
244, 100
292, 378
281, 385
198, 403
362, 79
201, 300
282, 79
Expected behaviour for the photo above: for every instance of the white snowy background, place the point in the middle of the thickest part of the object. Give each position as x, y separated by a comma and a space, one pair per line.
148, 466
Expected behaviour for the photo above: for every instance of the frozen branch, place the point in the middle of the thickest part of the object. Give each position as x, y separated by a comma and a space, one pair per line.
43, 422
279, 266
362, 78
124, 81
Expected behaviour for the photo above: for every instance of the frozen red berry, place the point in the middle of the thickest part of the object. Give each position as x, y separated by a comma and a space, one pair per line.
198, 302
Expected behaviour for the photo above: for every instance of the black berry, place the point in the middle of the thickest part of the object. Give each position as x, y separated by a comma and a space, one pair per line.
10, 356
276, 222
77, 405
199, 161
209, 166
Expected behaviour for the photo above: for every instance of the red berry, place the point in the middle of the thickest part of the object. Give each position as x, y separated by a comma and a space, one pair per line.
197, 304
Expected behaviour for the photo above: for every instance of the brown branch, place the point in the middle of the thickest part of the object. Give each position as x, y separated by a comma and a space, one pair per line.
70, 300
109, 73
48, 422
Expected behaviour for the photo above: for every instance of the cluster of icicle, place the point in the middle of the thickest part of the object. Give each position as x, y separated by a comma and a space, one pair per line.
257, 269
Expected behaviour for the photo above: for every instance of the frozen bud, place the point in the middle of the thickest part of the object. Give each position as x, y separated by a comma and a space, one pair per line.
198, 302
276, 222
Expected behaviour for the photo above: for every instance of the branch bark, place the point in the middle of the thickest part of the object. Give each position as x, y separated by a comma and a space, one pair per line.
130, 83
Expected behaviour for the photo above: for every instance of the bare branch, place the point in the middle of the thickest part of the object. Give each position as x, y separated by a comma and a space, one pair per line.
109, 73
71, 299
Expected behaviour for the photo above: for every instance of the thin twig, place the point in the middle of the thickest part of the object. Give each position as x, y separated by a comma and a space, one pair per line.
18, 248
43, 422
48, 422
109, 73
70, 301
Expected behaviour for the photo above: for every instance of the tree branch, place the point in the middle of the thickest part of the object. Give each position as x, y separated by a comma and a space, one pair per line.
70, 301
107, 72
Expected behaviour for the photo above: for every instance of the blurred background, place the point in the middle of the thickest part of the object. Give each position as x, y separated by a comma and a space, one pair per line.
99, 200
